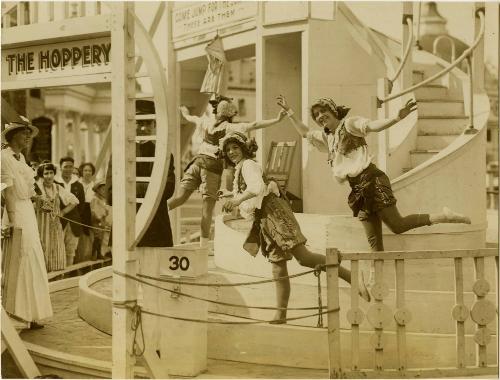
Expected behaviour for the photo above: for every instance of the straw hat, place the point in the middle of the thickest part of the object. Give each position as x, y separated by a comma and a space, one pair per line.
24, 123
98, 184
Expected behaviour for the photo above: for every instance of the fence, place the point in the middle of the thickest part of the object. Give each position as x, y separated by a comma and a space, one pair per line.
380, 315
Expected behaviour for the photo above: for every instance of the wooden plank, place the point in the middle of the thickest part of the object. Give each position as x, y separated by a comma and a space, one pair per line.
379, 352
123, 133
16, 347
354, 306
332, 284
69, 80
422, 373
400, 304
67, 29
427, 254
459, 300
482, 357
21, 15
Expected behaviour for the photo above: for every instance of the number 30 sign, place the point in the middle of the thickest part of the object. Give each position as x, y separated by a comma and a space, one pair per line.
186, 261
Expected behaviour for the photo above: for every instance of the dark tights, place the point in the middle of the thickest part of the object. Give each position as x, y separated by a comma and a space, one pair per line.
396, 223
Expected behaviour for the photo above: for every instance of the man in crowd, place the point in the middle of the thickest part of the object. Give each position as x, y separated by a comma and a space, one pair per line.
72, 231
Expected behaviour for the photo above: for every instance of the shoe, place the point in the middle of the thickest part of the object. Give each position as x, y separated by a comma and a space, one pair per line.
277, 322
363, 290
36, 326
453, 217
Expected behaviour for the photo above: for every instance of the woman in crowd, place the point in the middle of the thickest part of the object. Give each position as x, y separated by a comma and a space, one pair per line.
53, 201
274, 224
32, 299
84, 249
101, 219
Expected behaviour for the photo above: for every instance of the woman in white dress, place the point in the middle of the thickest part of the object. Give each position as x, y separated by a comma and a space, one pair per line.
32, 298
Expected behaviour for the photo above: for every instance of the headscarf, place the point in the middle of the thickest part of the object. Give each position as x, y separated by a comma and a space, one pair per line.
226, 109
338, 111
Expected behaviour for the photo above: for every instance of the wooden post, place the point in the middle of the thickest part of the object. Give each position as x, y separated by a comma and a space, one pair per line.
478, 53
458, 313
400, 316
406, 74
355, 320
332, 283
383, 137
123, 124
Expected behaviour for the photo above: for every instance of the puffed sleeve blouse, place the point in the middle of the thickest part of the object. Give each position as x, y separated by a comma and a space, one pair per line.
248, 177
17, 175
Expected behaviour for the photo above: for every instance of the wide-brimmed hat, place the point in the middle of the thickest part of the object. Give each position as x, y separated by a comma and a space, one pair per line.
232, 136
98, 184
23, 123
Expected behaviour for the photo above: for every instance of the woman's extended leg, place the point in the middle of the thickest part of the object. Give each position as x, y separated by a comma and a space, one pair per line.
399, 224
207, 210
282, 291
309, 259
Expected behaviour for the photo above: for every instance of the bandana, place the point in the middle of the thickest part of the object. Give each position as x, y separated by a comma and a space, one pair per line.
239, 137
338, 111
226, 109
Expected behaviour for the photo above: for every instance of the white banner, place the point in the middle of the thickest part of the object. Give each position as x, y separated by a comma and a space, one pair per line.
210, 15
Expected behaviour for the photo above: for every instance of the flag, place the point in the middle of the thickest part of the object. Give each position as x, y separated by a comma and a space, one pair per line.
213, 81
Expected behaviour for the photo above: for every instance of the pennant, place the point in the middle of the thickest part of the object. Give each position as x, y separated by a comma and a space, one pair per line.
213, 81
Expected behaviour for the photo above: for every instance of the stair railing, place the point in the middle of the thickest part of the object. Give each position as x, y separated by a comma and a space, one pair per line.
446, 38
464, 55
382, 313
409, 23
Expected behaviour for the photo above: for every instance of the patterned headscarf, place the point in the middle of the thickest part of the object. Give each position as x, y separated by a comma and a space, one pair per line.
338, 111
226, 109
232, 136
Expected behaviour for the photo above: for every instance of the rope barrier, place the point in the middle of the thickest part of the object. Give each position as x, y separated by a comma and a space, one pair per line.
254, 319
232, 284
210, 300
251, 322
317, 273
136, 324
82, 224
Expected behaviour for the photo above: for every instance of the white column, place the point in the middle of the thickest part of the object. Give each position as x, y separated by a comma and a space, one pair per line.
77, 138
478, 55
123, 124
60, 138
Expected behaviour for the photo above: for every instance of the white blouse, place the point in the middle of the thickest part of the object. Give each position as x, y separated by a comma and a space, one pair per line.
17, 175
343, 165
252, 175
66, 196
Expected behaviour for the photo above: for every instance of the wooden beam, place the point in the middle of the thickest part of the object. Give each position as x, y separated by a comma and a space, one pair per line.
123, 132
47, 33
16, 347
70, 80
415, 255
332, 283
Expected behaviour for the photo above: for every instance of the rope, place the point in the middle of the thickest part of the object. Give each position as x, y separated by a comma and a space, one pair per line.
317, 273
232, 284
136, 324
254, 319
209, 300
82, 224
250, 322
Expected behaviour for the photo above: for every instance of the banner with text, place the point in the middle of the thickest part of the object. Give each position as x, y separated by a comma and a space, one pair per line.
75, 58
210, 15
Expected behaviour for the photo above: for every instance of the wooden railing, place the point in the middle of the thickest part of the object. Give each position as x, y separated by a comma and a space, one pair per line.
380, 315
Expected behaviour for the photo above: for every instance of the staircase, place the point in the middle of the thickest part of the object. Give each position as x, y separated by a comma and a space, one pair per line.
441, 117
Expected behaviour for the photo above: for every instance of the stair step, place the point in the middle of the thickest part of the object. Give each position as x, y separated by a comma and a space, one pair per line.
442, 125
434, 142
440, 107
431, 92
418, 76
418, 157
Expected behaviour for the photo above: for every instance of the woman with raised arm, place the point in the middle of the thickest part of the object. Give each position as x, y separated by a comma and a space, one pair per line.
371, 198
275, 230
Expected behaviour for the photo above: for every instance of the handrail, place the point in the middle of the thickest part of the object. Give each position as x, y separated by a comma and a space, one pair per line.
452, 44
419, 16
445, 70
409, 22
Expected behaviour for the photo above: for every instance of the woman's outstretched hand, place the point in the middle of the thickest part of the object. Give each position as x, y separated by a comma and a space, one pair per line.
281, 114
281, 101
410, 106
230, 205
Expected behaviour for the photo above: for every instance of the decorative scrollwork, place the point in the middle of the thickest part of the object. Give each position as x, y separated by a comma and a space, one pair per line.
483, 312
460, 312
379, 315
355, 316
